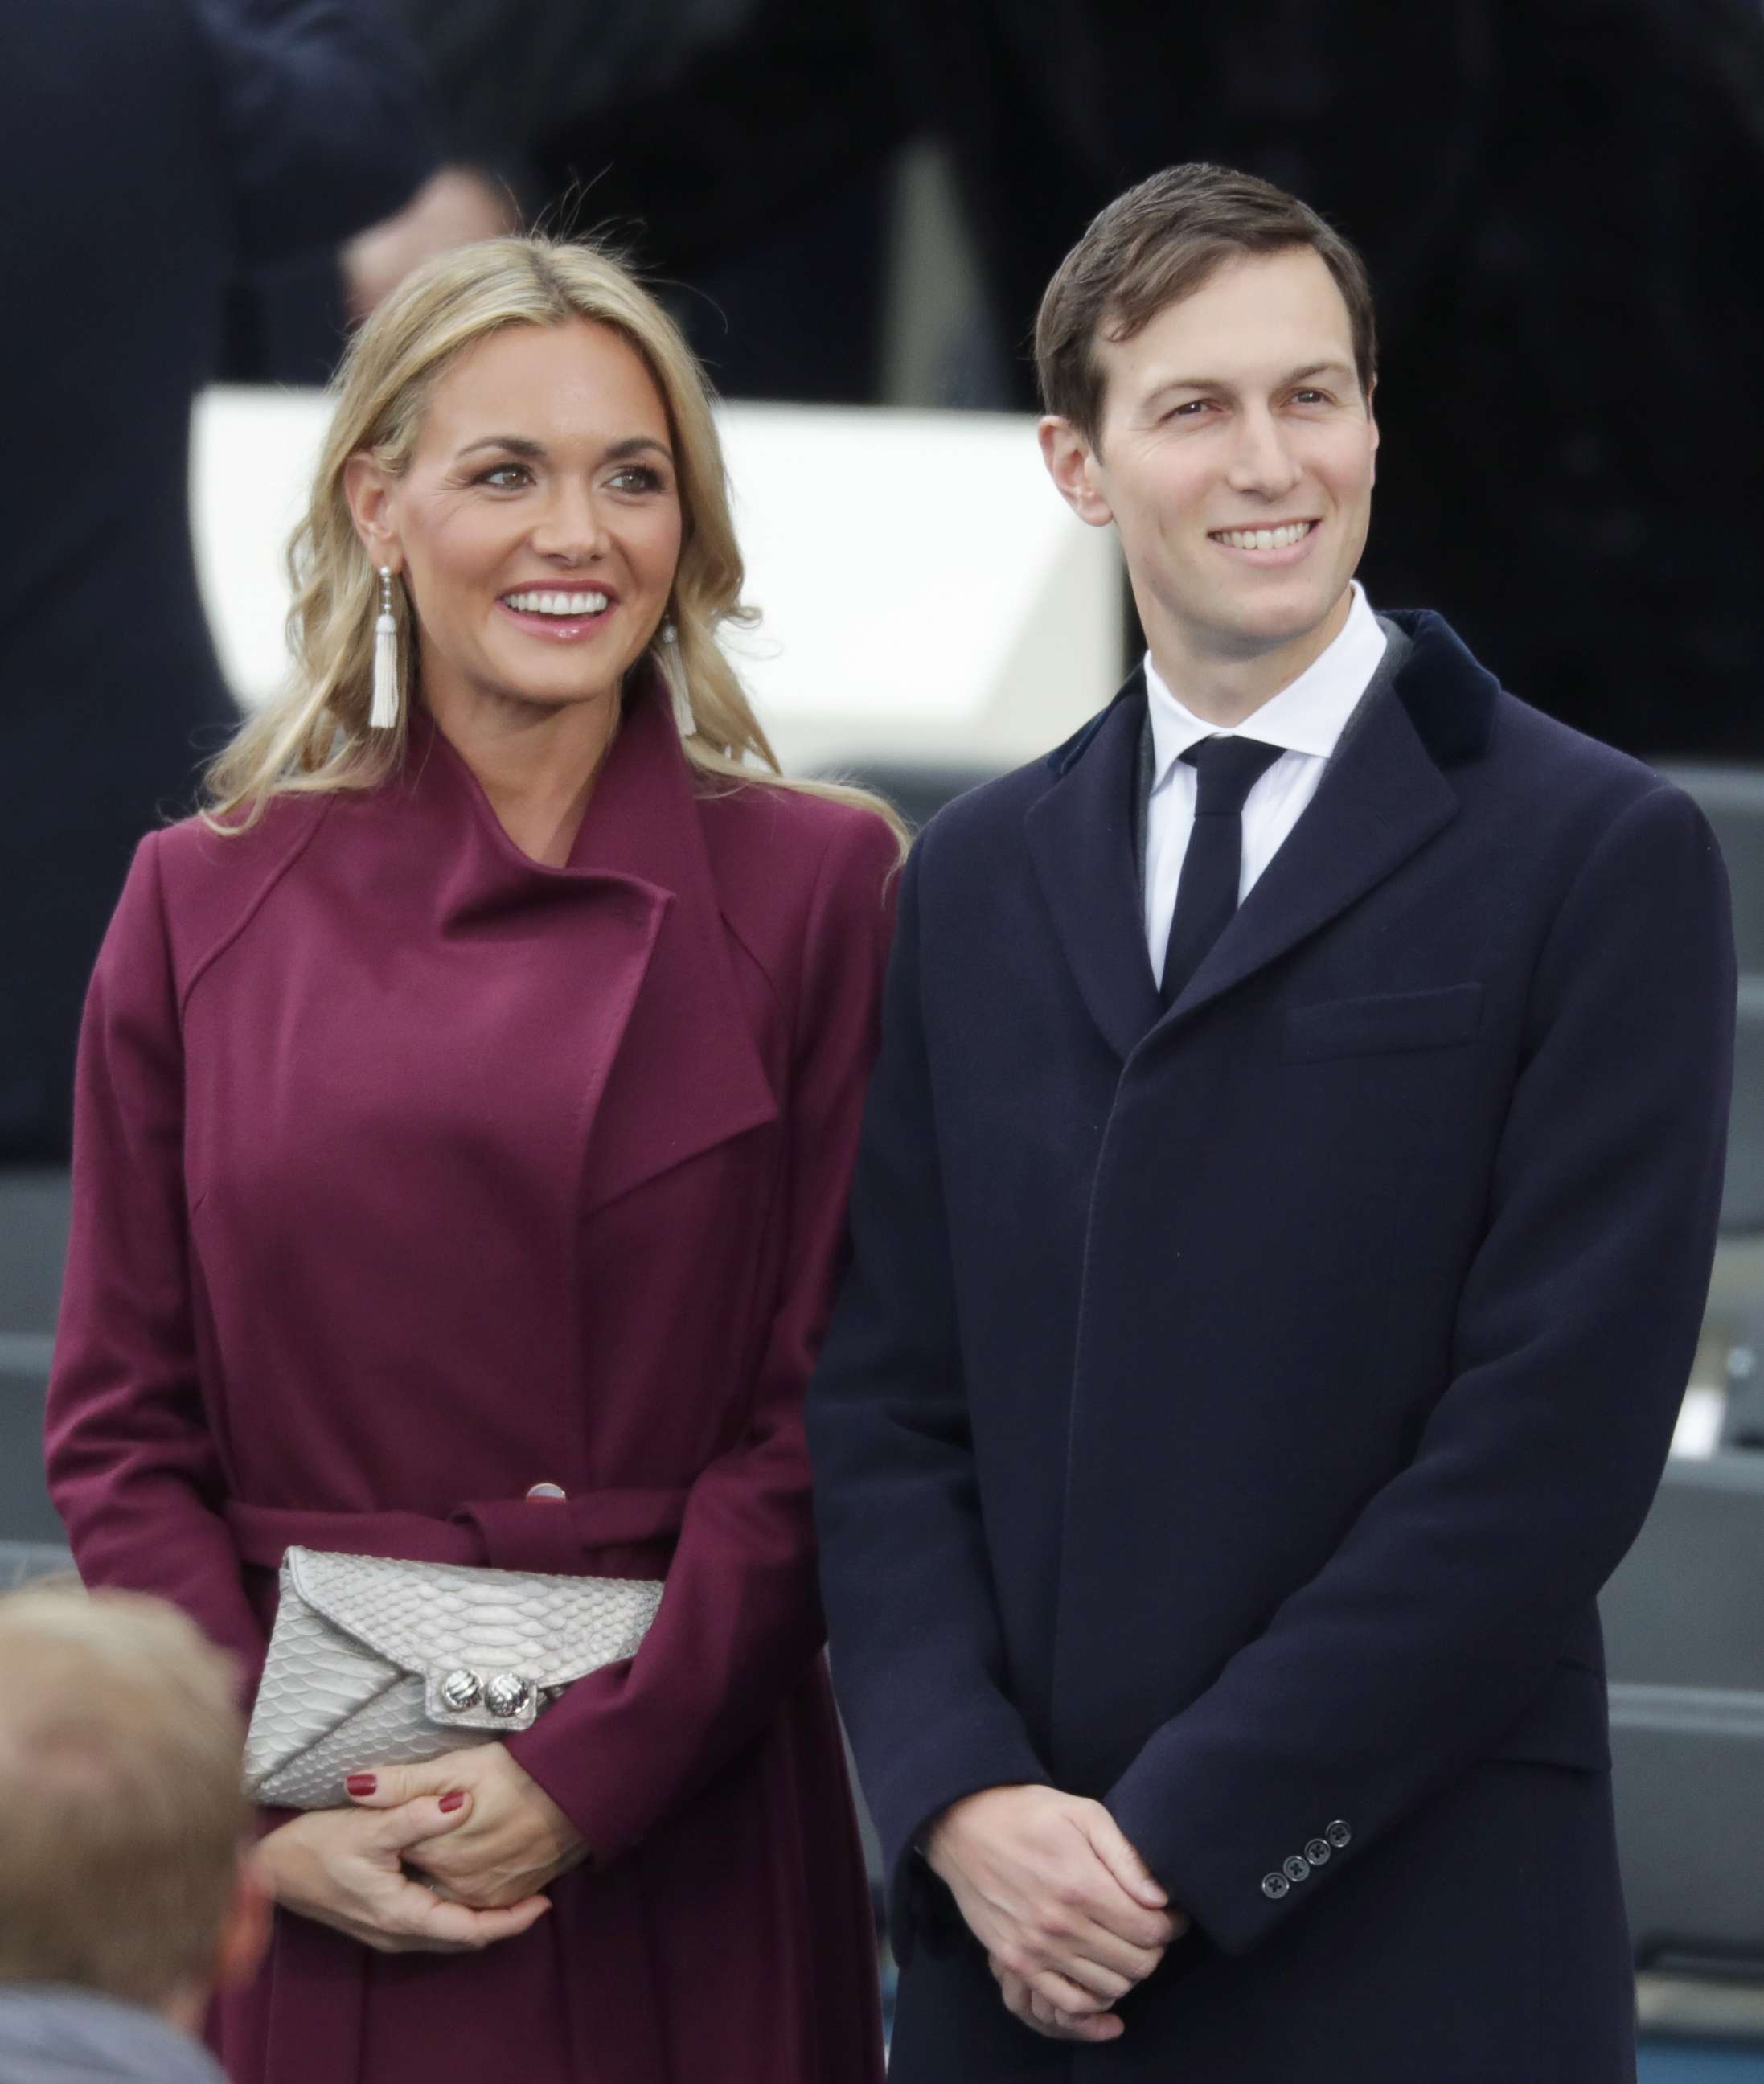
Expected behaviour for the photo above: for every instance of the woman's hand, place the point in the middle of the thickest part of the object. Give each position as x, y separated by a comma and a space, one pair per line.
344, 1868
513, 1840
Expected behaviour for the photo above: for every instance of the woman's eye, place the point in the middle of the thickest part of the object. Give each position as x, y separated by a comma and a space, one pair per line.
638, 477
505, 475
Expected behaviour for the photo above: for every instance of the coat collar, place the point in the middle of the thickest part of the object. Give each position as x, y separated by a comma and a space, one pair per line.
1081, 839
1386, 793
653, 1009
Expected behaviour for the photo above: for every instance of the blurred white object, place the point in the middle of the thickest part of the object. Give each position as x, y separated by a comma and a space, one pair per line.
926, 594
1698, 1432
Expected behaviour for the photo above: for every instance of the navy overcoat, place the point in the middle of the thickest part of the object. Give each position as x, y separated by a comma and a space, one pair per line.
1232, 1413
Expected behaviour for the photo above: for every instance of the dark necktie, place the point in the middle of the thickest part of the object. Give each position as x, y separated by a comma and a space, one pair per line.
1206, 890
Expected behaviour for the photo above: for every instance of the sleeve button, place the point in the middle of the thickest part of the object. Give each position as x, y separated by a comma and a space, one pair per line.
1318, 1852
1273, 1886
1338, 1835
1297, 1869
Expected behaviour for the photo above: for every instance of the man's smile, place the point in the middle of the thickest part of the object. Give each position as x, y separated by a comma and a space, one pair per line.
1280, 543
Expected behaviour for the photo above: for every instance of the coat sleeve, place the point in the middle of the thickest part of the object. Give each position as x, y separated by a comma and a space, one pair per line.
918, 1649
1419, 1644
326, 119
132, 1466
740, 1624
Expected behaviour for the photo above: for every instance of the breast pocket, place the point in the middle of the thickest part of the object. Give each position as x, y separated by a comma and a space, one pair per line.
1434, 1019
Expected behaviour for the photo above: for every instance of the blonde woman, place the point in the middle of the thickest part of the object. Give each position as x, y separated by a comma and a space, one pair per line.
464, 1116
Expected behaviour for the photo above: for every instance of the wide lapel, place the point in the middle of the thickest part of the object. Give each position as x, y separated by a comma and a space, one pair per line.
1383, 797
1080, 839
631, 1018
690, 1074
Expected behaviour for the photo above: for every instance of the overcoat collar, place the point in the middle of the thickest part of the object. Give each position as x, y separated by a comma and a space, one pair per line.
1386, 793
651, 989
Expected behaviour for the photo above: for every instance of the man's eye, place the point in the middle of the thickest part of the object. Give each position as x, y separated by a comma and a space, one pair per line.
1310, 397
1191, 409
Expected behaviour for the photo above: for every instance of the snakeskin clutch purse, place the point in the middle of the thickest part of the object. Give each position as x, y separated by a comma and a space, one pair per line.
375, 1663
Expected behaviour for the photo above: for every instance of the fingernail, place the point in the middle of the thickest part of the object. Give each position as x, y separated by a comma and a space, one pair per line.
362, 1783
451, 1802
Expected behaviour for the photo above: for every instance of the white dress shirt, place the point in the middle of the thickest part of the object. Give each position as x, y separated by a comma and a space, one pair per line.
1305, 719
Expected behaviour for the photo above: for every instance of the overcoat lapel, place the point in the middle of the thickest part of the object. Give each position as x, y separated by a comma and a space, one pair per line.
1382, 799
689, 1074
663, 1061
1081, 839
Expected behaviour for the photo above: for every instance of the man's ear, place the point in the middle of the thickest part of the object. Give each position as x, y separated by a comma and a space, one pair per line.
244, 1932
1372, 421
1071, 464
368, 491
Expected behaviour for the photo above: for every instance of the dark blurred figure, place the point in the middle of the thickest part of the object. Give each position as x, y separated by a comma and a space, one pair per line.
150, 150
1562, 202
742, 150
125, 1890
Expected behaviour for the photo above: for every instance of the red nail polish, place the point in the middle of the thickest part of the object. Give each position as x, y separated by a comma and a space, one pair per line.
451, 1802
362, 1783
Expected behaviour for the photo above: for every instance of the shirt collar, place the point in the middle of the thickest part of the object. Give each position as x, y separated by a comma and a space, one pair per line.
1308, 715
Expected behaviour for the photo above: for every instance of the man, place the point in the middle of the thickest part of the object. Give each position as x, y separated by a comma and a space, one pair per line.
125, 1894
152, 153
1268, 1319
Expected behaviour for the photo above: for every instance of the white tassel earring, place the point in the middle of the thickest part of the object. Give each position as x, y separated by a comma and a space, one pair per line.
684, 722
383, 716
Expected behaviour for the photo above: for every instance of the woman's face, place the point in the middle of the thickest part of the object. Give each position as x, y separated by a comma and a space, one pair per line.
538, 525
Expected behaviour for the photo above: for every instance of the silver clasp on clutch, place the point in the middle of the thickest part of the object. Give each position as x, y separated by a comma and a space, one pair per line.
464, 1697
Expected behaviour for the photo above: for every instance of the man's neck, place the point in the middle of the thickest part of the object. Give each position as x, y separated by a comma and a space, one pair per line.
1227, 690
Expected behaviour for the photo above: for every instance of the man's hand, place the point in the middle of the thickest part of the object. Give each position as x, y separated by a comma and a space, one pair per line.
452, 208
1048, 2020
345, 1870
515, 1841
1065, 1908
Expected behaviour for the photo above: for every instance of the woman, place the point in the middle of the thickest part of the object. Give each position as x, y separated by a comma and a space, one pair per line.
465, 1111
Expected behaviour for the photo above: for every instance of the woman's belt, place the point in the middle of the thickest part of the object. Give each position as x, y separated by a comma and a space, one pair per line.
571, 1535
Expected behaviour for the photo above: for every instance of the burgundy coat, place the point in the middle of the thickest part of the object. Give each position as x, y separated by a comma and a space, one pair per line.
409, 1174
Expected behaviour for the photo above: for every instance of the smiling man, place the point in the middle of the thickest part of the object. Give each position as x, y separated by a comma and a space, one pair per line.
1285, 1211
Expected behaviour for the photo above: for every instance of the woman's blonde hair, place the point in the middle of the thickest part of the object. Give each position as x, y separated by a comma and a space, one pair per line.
315, 735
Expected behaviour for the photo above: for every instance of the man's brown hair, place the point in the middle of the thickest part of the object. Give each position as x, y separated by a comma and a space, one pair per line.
1160, 242
122, 1817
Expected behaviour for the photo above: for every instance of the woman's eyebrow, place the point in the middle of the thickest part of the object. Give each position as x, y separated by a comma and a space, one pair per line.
634, 445
524, 445
520, 445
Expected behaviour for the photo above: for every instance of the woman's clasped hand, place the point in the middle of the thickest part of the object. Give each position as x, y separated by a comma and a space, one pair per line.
445, 1857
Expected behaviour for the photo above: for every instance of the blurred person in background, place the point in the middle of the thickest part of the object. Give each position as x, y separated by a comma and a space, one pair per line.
739, 148
464, 1122
1561, 203
127, 1894
1562, 206
150, 150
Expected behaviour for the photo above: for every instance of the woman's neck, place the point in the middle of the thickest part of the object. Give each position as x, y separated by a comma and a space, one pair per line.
536, 762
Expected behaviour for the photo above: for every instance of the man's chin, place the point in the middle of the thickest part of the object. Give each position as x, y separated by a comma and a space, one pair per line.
1277, 620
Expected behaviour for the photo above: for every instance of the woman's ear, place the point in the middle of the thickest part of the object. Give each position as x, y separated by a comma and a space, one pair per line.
368, 490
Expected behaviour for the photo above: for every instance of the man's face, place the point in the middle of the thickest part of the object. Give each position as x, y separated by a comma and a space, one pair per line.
1234, 458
